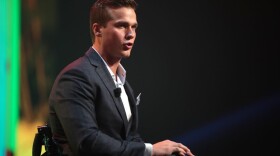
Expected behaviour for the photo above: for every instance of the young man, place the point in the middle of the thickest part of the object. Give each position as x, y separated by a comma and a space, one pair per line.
92, 108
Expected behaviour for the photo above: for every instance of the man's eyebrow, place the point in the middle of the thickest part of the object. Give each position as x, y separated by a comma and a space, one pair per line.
126, 23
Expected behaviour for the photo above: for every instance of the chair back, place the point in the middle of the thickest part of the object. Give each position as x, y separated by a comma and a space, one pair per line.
44, 137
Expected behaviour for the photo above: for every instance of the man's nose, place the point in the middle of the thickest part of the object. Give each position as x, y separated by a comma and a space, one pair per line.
130, 34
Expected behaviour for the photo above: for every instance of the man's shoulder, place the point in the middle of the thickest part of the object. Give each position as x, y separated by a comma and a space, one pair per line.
84, 63
83, 68
81, 65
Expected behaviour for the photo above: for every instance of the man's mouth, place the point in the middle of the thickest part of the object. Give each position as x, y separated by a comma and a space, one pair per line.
127, 46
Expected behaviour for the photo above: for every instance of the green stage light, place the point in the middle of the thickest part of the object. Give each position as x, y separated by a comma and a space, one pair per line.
9, 72
3, 49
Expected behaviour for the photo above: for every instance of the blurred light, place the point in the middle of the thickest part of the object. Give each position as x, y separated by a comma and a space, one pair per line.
3, 49
224, 126
9, 73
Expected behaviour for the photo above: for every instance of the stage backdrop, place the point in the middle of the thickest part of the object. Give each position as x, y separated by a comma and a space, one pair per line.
208, 71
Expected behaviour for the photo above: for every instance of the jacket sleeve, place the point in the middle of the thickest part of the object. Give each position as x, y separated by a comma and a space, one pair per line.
73, 102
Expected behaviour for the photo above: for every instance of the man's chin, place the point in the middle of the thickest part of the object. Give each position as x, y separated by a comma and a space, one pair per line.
126, 54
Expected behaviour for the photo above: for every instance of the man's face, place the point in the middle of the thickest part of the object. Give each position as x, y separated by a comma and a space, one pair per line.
119, 34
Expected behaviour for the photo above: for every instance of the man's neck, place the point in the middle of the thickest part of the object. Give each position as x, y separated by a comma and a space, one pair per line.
114, 67
111, 61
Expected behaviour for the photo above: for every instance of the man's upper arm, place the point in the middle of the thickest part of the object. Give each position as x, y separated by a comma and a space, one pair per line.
74, 96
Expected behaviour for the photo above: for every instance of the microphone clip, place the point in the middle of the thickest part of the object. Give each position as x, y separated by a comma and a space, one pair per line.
117, 92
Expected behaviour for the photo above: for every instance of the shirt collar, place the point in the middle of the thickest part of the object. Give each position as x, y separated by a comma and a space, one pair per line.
121, 72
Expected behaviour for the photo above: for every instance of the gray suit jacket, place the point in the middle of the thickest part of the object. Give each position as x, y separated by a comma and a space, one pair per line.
86, 117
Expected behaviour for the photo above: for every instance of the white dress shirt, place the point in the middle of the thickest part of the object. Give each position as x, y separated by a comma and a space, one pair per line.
119, 81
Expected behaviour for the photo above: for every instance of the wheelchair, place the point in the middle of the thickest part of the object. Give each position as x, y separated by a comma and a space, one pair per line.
44, 138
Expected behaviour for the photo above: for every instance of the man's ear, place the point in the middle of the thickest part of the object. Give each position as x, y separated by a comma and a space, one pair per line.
96, 29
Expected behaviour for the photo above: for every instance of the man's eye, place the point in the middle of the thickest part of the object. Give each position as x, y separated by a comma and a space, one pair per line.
121, 26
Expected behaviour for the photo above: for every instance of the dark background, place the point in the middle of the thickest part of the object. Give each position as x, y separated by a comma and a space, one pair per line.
208, 71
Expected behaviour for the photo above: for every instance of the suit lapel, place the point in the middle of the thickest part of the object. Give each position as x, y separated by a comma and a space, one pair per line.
105, 76
131, 98
134, 118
